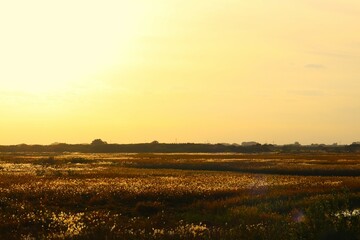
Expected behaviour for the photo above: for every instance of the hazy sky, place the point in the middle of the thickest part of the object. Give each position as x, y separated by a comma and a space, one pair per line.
173, 70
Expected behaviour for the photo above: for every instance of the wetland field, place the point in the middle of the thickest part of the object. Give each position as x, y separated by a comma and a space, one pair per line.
179, 196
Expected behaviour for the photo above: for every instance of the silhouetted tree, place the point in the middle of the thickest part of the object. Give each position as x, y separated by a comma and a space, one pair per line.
98, 142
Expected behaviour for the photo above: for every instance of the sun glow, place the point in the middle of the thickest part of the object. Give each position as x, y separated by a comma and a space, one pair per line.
48, 47
202, 71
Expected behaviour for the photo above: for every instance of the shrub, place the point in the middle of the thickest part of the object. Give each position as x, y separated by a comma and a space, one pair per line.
148, 208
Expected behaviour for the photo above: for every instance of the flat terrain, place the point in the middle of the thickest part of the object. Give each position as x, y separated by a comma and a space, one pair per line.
179, 196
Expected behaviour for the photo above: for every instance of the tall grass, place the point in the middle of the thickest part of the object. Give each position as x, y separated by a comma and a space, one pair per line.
178, 196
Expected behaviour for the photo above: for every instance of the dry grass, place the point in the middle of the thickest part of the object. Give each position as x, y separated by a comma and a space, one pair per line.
178, 196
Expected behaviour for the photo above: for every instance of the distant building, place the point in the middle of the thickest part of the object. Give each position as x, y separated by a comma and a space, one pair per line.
248, 144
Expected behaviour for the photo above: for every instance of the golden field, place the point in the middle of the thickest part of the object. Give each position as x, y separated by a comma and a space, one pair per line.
179, 196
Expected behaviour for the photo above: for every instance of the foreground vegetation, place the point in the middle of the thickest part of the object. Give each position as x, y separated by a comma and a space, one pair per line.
179, 196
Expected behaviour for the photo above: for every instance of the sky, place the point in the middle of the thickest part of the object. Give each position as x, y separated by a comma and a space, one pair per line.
214, 71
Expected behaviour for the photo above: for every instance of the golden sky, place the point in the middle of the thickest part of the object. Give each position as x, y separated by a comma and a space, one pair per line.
173, 70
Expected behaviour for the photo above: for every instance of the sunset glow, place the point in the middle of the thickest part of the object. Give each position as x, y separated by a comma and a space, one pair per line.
271, 71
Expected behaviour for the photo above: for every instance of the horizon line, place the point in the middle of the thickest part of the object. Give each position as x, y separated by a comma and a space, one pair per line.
244, 143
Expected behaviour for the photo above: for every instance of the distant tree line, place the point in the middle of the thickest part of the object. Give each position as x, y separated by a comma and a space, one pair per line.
100, 146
